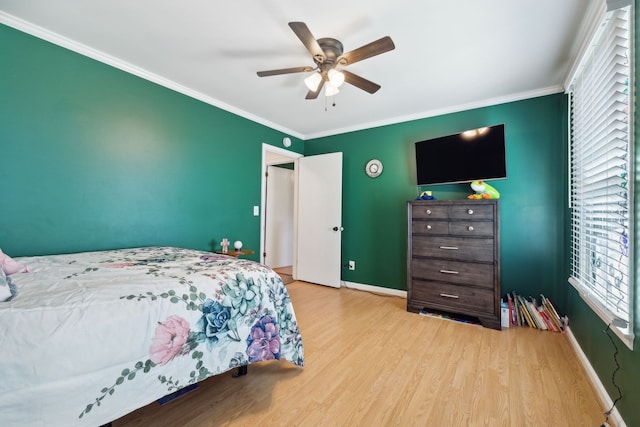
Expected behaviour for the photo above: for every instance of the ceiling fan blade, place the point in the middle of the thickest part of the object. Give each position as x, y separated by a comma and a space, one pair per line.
307, 39
360, 82
377, 47
284, 71
313, 95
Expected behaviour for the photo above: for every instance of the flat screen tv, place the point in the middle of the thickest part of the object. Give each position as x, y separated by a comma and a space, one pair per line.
477, 154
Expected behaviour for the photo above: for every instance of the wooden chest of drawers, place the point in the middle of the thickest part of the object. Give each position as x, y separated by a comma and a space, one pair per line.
453, 258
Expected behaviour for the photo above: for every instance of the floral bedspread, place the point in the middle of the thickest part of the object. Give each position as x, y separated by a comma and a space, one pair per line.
90, 337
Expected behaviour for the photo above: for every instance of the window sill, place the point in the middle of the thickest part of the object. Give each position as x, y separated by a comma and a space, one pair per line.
624, 333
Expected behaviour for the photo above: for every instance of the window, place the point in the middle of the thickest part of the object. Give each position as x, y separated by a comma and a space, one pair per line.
601, 144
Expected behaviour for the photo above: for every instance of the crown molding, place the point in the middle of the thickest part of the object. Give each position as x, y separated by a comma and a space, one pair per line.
82, 49
441, 111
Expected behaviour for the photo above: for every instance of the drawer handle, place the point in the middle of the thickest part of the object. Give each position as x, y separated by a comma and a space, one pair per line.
449, 248
428, 227
449, 272
449, 296
470, 211
428, 211
470, 228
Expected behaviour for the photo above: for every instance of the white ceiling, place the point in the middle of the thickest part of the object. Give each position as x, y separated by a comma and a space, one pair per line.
450, 55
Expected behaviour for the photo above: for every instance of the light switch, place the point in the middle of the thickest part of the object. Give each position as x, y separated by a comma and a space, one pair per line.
256, 210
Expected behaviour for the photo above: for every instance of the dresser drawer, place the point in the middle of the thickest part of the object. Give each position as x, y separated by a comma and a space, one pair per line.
471, 211
430, 211
454, 298
455, 228
471, 228
454, 248
465, 273
430, 227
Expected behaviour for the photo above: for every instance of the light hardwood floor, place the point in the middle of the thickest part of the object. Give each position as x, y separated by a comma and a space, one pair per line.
285, 273
368, 362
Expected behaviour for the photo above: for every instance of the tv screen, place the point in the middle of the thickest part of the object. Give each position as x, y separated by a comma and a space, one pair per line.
477, 154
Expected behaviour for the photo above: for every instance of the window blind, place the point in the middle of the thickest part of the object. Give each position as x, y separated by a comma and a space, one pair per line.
601, 172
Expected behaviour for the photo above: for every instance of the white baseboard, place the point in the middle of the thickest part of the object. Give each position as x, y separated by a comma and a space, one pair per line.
605, 400
374, 289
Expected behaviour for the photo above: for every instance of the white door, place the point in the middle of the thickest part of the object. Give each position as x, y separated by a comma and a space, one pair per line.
319, 219
278, 236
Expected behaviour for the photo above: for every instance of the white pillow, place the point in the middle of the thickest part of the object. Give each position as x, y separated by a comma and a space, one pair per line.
5, 291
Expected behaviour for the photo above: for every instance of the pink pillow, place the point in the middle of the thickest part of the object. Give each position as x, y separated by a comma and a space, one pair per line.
11, 266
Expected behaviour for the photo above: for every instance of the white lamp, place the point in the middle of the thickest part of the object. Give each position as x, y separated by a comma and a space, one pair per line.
335, 77
313, 81
237, 245
331, 89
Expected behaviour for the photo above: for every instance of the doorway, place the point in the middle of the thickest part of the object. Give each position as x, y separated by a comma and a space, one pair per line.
278, 209
278, 219
317, 214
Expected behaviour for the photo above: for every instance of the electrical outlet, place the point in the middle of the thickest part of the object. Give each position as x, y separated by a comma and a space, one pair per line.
352, 265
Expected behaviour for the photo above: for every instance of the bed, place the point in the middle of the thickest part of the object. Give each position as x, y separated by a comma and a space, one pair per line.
89, 337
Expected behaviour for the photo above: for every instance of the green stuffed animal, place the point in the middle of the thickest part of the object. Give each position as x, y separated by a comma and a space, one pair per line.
483, 191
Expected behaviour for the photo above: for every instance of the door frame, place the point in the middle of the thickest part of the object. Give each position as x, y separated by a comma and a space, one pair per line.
272, 155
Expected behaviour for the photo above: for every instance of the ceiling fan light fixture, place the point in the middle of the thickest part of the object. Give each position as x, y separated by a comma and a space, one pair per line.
313, 81
335, 77
330, 89
328, 53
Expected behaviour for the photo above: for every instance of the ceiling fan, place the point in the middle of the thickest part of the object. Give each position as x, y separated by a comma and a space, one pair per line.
328, 54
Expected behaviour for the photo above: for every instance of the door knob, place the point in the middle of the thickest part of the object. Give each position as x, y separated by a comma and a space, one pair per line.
338, 228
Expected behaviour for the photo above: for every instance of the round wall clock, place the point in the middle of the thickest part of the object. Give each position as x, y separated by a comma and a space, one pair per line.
373, 168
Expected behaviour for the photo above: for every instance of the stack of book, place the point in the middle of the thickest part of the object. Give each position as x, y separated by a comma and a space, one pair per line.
534, 314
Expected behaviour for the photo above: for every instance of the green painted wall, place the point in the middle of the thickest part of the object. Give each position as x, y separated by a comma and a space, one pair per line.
95, 158
531, 206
